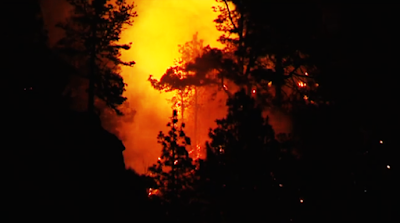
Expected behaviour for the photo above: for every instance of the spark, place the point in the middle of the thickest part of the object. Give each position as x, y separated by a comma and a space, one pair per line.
381, 141
254, 91
158, 158
305, 97
306, 73
301, 201
270, 84
225, 87
388, 166
316, 84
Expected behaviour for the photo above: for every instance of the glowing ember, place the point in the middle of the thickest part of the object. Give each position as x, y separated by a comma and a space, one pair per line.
152, 192
301, 201
305, 97
254, 91
388, 166
306, 73
381, 142
225, 87
197, 152
270, 84
302, 84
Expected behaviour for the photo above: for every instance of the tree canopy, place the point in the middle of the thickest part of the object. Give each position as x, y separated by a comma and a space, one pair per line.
91, 43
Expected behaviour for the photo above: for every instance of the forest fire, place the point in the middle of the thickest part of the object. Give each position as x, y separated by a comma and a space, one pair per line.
155, 36
90, 147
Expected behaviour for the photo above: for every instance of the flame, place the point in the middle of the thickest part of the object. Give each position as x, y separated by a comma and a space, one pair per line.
153, 192
302, 84
156, 33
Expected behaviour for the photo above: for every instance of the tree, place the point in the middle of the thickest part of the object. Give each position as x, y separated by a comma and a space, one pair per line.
174, 169
245, 172
91, 44
269, 50
178, 79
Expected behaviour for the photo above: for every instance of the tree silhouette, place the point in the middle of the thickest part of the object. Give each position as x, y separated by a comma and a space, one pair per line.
173, 173
174, 167
245, 170
269, 51
178, 79
91, 44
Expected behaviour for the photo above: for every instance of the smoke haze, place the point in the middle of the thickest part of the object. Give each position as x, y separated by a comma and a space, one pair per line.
160, 27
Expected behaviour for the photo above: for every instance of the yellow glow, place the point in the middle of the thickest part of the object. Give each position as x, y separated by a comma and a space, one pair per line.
160, 27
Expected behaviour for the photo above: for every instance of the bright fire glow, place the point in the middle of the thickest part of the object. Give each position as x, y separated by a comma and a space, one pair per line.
302, 84
160, 27
152, 192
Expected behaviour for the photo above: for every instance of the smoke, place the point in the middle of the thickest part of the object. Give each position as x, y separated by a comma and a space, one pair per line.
160, 27
54, 11
158, 30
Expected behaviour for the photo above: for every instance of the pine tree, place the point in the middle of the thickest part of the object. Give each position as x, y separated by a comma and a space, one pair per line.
178, 79
174, 168
246, 166
91, 44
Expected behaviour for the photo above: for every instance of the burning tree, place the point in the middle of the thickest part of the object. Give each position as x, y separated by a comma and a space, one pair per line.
174, 169
91, 45
178, 79
186, 85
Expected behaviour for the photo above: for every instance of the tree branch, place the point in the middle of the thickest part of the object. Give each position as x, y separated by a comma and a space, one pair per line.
230, 15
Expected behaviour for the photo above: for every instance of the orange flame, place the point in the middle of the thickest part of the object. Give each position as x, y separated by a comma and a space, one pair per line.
156, 33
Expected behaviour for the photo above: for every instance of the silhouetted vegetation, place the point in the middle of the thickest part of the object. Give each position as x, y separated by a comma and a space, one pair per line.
91, 44
336, 165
